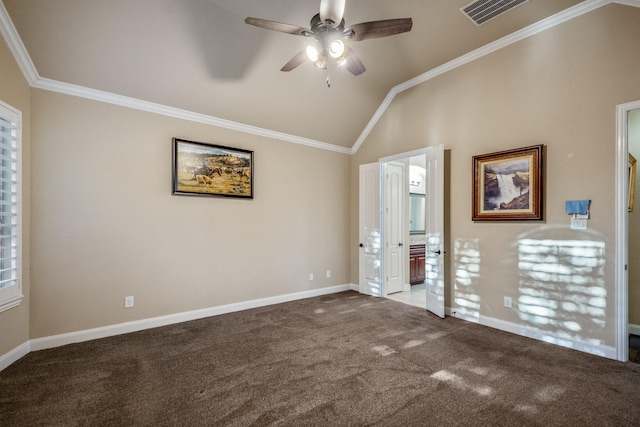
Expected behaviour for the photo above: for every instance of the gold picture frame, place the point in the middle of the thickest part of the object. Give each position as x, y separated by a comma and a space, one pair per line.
507, 185
632, 181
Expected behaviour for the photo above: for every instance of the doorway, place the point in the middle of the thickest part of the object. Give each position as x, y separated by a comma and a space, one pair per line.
377, 229
627, 273
633, 239
414, 290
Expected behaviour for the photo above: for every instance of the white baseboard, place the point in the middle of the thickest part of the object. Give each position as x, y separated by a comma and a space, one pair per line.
106, 331
634, 329
14, 355
138, 325
540, 335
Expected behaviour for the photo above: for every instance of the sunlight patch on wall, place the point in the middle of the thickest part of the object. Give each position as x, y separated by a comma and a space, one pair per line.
562, 287
372, 261
467, 272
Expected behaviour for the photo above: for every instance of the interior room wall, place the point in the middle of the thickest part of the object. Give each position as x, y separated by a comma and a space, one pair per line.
105, 224
559, 88
14, 91
634, 225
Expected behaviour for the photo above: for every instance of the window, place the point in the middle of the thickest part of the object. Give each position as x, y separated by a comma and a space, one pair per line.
10, 209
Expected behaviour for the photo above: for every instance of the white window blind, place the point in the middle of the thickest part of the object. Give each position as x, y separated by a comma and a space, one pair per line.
10, 232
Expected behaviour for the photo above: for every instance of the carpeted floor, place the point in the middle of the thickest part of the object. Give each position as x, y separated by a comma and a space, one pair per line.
343, 359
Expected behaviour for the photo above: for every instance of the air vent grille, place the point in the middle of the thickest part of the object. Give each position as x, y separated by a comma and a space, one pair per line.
482, 11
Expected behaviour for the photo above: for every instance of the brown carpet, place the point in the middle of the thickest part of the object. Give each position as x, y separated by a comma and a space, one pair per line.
343, 359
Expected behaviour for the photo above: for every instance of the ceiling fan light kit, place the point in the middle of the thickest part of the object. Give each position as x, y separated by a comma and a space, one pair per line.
328, 30
336, 49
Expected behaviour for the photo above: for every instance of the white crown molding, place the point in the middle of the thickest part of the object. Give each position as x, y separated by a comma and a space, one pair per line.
151, 107
16, 46
8, 30
559, 18
635, 3
10, 34
374, 119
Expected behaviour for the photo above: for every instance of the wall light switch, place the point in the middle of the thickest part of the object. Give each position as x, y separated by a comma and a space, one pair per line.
578, 224
128, 302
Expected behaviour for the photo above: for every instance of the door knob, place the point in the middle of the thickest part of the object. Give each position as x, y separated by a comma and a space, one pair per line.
361, 245
400, 244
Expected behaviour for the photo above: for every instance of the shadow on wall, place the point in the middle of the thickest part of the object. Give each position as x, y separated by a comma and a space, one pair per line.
561, 283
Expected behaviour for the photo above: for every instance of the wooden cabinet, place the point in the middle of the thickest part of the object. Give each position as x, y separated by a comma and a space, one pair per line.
416, 264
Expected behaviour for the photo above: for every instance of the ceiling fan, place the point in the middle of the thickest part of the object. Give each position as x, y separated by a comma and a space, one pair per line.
328, 34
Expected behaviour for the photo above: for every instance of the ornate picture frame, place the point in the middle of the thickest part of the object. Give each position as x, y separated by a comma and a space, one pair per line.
507, 185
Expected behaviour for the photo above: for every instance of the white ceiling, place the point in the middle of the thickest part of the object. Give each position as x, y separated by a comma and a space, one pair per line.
200, 56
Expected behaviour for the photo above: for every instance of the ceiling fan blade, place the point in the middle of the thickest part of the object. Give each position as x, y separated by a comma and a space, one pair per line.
377, 29
332, 10
353, 63
278, 26
295, 61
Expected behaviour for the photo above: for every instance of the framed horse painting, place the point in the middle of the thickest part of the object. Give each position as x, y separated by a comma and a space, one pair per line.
202, 169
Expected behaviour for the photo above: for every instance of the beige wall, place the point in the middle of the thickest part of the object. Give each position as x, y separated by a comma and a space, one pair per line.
14, 90
558, 88
634, 224
105, 224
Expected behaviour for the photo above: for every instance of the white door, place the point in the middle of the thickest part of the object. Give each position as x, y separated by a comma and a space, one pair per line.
394, 221
369, 231
434, 246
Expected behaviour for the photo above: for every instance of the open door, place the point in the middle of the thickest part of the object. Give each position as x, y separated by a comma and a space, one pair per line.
369, 231
394, 226
434, 245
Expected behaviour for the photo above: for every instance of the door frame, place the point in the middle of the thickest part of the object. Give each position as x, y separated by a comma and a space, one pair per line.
382, 161
622, 230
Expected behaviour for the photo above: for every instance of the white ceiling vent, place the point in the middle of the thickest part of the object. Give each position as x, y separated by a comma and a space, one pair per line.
481, 11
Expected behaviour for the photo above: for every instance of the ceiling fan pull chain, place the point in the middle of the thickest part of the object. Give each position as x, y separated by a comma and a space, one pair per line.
328, 79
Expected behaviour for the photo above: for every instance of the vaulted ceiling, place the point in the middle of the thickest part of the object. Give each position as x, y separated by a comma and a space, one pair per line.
200, 57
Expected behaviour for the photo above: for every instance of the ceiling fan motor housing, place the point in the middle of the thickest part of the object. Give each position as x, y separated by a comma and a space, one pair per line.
331, 11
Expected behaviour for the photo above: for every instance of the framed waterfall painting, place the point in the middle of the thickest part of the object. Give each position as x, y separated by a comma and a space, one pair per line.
201, 169
507, 185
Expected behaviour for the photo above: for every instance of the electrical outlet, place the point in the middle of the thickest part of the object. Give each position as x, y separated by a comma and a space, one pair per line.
507, 302
310, 276
128, 302
328, 273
